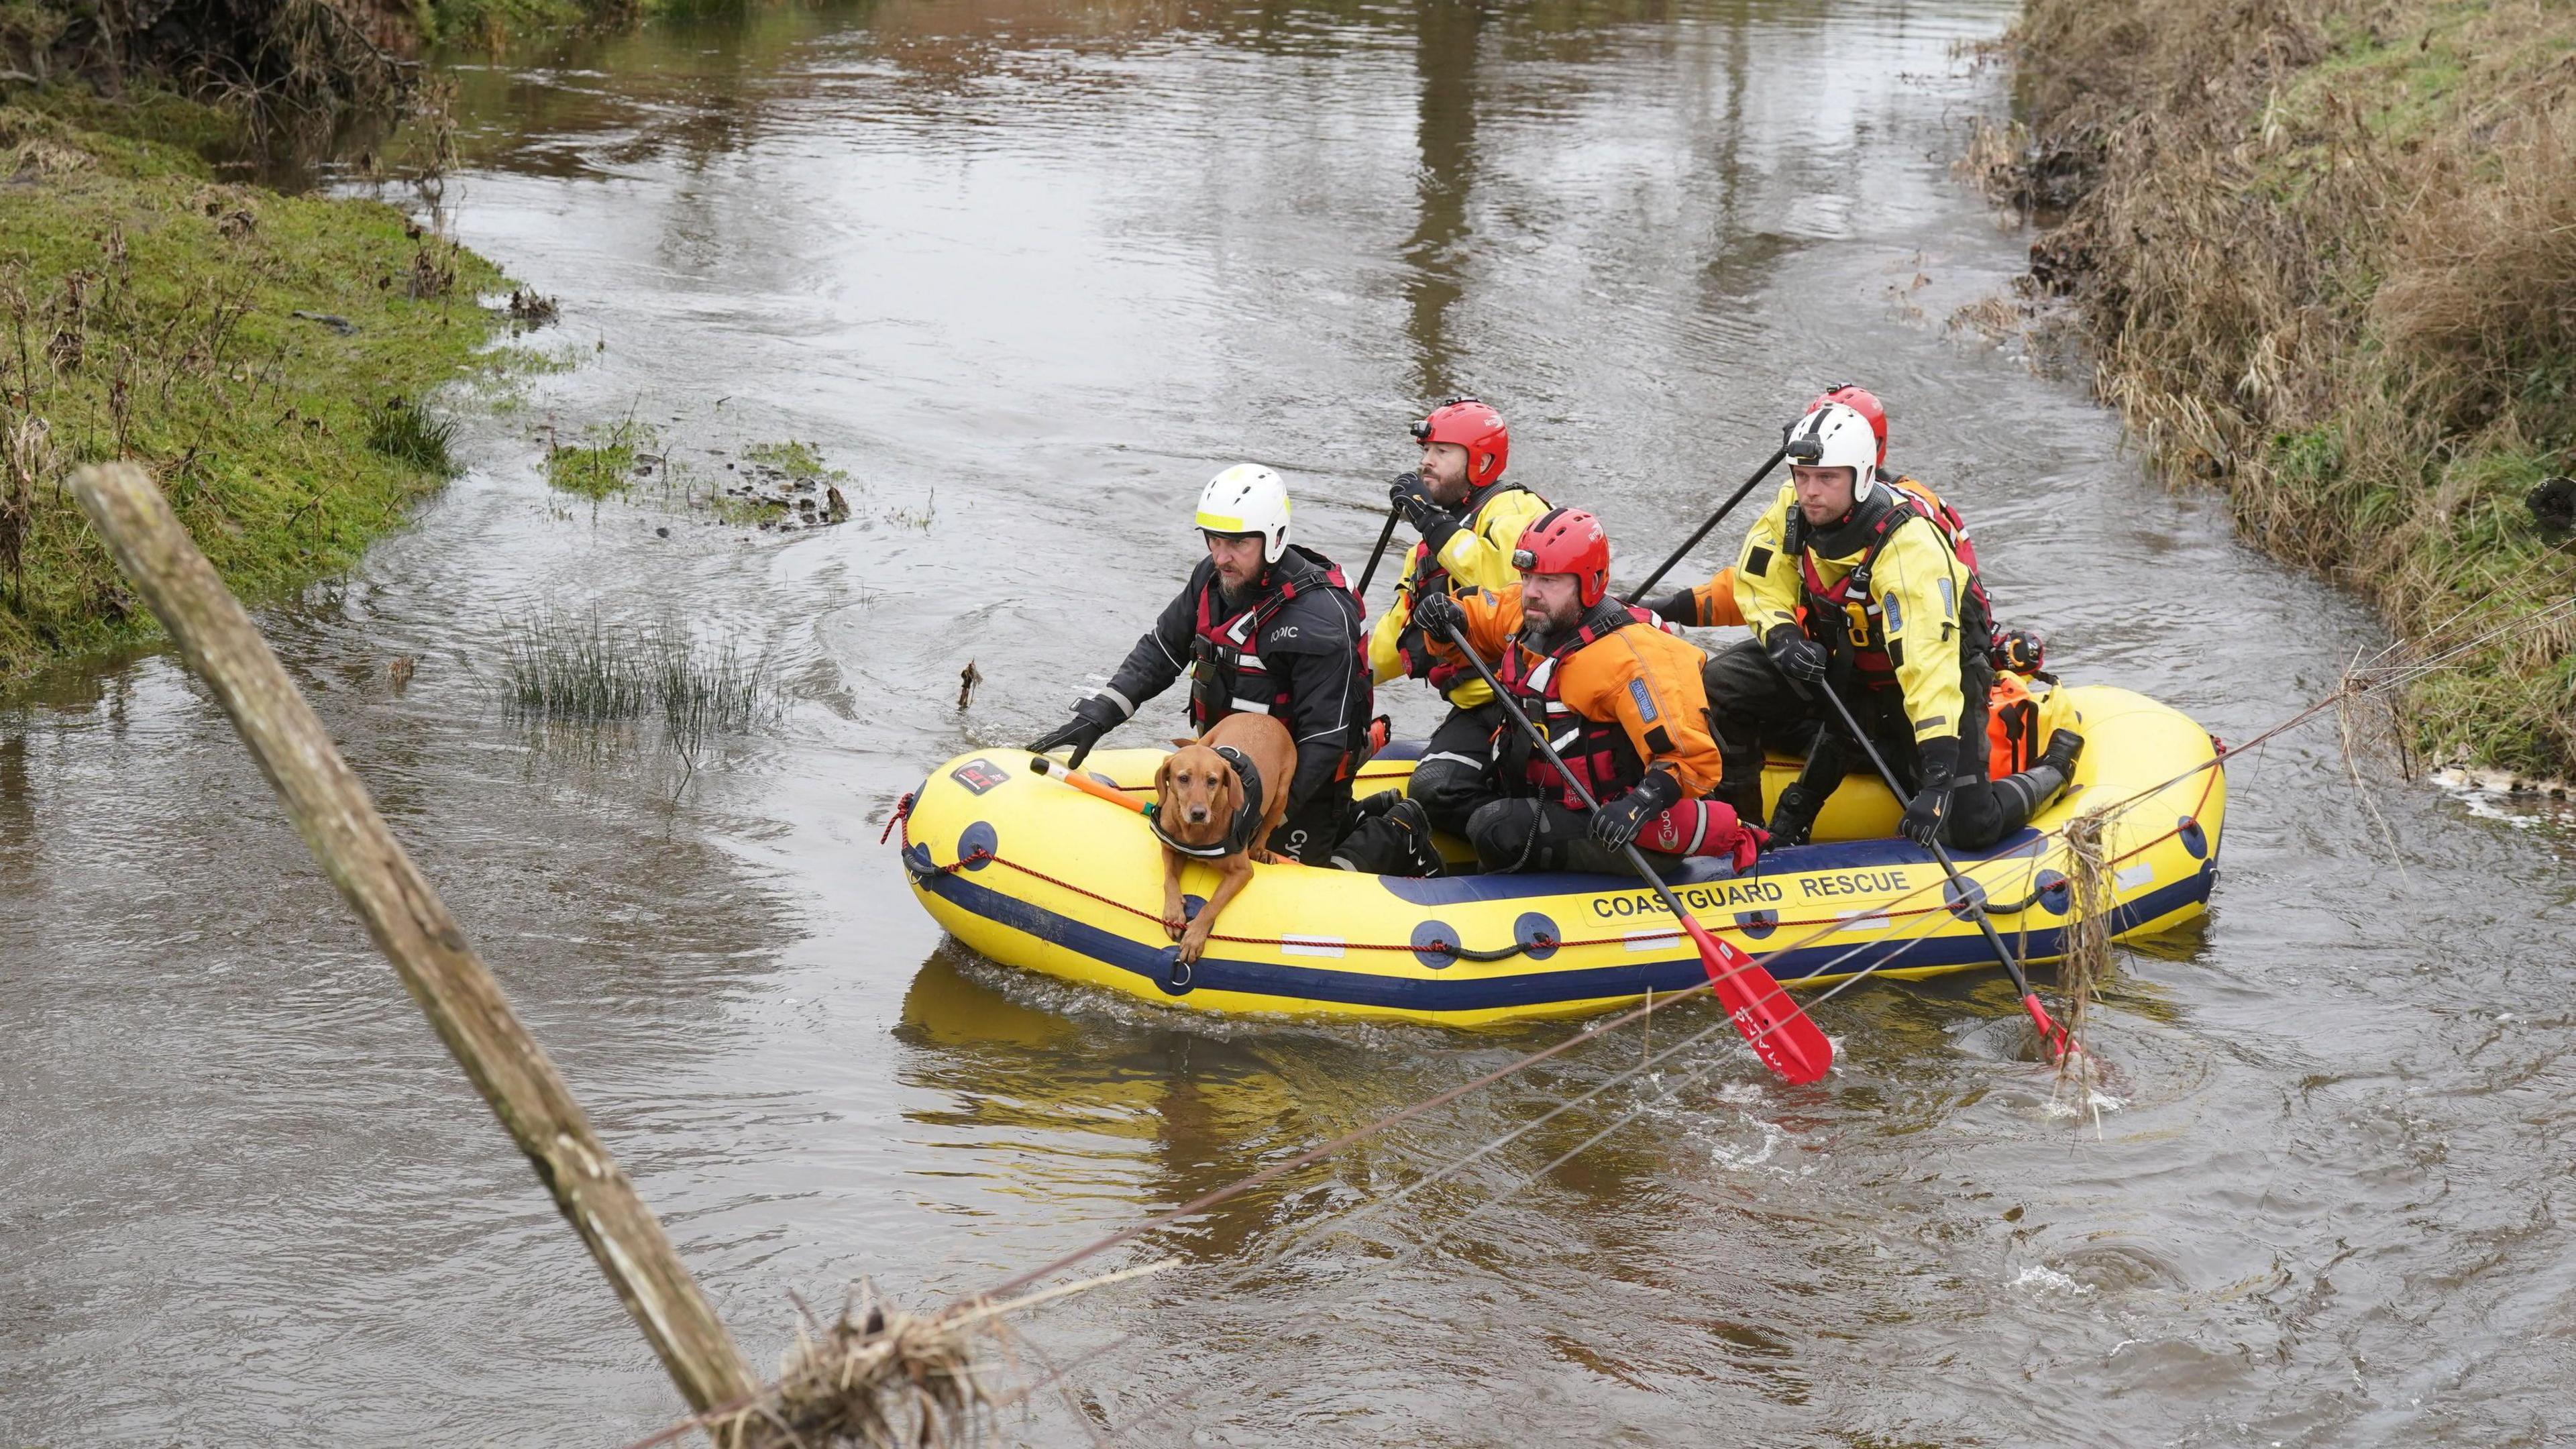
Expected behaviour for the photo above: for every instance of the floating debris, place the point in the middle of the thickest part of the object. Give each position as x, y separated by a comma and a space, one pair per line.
528, 309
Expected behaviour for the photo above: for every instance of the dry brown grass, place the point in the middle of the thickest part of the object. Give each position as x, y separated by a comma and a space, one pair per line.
2086, 969
2327, 249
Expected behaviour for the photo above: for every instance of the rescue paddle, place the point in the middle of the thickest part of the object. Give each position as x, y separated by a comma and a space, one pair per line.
1057, 770
1638, 594
1376, 553
2049, 1032
1781, 1035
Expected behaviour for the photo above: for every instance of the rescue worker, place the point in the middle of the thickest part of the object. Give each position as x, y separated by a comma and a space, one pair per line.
1263, 624
1619, 698
1469, 517
1712, 605
1868, 587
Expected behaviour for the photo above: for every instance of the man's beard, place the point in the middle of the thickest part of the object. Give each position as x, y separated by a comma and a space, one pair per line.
1237, 598
1543, 632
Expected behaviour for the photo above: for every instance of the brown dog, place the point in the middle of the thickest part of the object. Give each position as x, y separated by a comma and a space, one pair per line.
1217, 799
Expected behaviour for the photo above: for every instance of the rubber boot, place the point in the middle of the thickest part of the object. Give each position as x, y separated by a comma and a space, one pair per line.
2065, 747
1795, 819
1372, 806
1393, 841
1794, 822
2046, 779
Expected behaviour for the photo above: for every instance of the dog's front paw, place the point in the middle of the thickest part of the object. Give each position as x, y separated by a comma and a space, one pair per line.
1263, 855
1173, 926
1193, 941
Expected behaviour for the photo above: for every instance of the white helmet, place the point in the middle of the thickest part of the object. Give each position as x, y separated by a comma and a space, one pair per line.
1835, 436
1248, 498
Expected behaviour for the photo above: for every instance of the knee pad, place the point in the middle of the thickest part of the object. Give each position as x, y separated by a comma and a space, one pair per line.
1504, 833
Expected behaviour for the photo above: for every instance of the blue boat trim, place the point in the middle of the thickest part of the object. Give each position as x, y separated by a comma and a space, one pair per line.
1532, 988
1450, 890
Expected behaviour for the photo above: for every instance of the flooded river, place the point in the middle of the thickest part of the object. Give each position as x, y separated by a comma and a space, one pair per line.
1029, 273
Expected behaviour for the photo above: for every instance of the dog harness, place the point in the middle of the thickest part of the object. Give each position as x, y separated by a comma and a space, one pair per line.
1238, 833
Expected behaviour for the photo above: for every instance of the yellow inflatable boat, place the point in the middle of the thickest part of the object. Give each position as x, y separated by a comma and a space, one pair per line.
1033, 873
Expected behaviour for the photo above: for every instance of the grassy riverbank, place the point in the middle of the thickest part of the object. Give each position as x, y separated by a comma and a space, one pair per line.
2327, 253
266, 356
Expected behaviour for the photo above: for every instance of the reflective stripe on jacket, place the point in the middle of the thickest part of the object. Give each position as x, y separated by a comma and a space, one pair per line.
1479, 556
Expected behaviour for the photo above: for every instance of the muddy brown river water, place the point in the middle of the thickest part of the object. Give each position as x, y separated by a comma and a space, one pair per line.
1029, 273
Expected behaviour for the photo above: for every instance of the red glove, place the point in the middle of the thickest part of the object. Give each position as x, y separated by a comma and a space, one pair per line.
1704, 827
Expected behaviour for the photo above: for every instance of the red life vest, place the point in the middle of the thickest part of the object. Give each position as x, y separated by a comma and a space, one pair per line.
1599, 752
1228, 675
1861, 640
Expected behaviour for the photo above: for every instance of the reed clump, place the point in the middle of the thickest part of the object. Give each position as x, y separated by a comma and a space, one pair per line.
582, 670
407, 434
2327, 252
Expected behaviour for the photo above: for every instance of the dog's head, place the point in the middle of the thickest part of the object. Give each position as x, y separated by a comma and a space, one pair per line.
1197, 794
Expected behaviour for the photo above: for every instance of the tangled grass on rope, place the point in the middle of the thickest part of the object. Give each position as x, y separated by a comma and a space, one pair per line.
878, 1377
2087, 966
881, 1378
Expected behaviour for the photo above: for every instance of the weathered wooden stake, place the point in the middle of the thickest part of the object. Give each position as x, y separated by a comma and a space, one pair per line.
412, 927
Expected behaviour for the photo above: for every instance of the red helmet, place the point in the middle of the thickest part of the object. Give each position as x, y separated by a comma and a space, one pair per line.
1567, 541
1474, 427
1862, 401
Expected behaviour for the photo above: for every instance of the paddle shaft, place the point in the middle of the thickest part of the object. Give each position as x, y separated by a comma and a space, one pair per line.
1723, 509
1758, 994
2049, 1031
1058, 770
1376, 553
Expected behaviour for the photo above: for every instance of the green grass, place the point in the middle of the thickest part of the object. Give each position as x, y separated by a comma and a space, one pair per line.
601, 466
797, 460
148, 312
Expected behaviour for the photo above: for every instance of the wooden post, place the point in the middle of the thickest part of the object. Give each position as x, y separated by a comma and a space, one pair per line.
412, 927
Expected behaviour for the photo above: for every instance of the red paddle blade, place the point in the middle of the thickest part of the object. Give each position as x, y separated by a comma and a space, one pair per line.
2051, 1035
1786, 1040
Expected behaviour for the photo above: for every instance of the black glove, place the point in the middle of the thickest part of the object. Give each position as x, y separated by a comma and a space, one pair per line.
1429, 518
1616, 824
1092, 718
1797, 656
1931, 804
1793, 820
1678, 607
1440, 616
